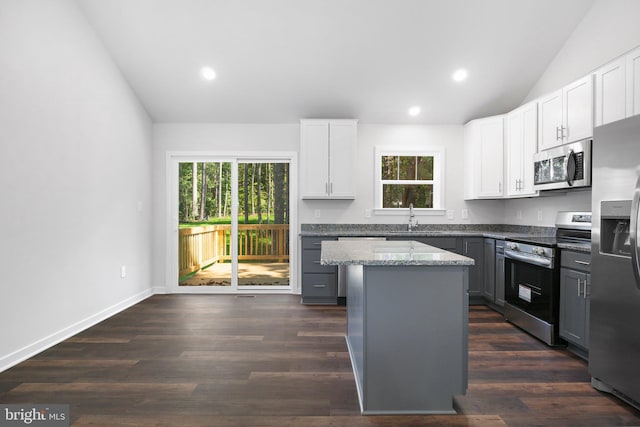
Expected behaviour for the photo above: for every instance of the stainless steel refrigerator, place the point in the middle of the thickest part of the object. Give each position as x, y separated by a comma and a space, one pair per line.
614, 350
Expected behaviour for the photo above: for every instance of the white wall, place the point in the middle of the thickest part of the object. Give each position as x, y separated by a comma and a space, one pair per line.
74, 169
609, 29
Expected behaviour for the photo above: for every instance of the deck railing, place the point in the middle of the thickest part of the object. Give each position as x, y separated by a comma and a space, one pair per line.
204, 245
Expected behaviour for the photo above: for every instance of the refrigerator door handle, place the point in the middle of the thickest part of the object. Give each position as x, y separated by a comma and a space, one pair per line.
633, 232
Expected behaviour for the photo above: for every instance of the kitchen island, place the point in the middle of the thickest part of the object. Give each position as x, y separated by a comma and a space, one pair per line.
407, 310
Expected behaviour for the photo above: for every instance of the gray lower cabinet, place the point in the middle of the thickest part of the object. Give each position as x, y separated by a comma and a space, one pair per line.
575, 282
319, 282
490, 270
499, 300
473, 247
494, 272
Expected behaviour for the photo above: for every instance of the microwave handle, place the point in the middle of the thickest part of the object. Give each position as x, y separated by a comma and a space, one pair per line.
571, 167
633, 232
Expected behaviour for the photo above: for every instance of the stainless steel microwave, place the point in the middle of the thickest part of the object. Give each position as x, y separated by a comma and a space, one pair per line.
566, 166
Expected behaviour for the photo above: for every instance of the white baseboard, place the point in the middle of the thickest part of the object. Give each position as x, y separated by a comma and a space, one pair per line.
31, 350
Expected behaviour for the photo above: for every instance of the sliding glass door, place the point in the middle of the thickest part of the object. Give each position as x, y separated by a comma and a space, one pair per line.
263, 224
233, 232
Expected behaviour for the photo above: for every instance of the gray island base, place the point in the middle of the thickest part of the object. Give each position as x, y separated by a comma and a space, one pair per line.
407, 314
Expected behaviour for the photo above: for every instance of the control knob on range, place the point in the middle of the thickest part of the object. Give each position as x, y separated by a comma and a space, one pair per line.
538, 251
512, 246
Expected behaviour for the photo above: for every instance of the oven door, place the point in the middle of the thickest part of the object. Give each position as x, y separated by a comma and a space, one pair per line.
532, 288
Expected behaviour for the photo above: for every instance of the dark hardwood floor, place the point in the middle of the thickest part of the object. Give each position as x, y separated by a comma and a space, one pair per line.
204, 360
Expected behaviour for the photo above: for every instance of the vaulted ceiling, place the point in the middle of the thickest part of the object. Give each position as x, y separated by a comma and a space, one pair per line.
277, 61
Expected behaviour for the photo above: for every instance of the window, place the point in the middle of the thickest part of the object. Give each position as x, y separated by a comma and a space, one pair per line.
409, 177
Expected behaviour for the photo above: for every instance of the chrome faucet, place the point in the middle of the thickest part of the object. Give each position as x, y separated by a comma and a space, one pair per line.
411, 218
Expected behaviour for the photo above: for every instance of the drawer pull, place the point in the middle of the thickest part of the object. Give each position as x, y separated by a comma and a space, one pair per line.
577, 261
316, 262
317, 243
319, 286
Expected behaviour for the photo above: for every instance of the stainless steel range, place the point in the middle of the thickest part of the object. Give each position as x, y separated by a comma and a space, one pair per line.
532, 276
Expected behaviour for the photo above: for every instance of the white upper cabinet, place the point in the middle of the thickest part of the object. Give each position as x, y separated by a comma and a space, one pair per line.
566, 115
483, 158
617, 89
521, 144
550, 120
611, 92
633, 82
328, 158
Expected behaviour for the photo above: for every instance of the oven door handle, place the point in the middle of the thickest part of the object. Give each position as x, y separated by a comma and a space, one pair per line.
529, 260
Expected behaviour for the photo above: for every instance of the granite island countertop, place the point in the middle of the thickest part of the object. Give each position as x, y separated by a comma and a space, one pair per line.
381, 252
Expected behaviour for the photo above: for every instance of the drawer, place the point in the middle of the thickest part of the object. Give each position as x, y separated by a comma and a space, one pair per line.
314, 242
575, 260
311, 263
319, 285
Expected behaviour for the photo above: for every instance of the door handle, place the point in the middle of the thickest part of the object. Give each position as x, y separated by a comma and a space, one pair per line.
557, 133
571, 167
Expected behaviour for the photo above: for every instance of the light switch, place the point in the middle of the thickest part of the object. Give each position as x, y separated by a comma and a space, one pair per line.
464, 214
123, 271
316, 213
367, 213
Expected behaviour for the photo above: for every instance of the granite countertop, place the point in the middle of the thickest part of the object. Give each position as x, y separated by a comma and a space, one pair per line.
494, 231
380, 252
578, 247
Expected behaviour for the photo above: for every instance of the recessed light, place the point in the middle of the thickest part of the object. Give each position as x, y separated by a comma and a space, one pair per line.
208, 73
414, 111
460, 75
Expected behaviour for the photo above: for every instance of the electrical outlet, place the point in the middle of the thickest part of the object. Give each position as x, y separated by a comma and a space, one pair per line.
450, 214
464, 214
519, 214
123, 272
539, 216
316, 213
367, 213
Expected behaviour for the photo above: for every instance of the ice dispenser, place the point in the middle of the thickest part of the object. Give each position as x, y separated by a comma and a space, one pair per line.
614, 229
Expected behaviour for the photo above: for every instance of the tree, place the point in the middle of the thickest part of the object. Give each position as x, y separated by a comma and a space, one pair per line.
203, 192
278, 193
220, 189
245, 184
194, 190
258, 194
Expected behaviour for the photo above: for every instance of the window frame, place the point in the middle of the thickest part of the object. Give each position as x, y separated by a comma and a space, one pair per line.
438, 154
